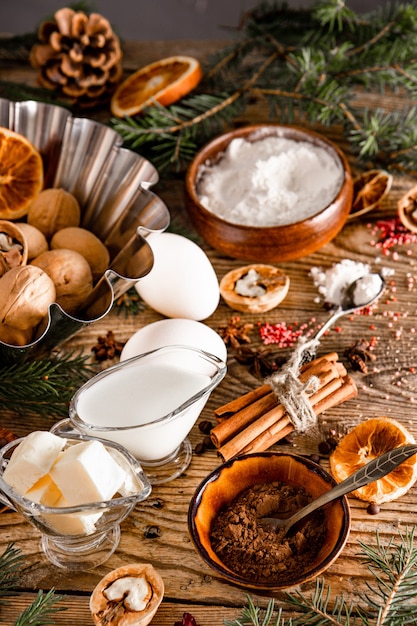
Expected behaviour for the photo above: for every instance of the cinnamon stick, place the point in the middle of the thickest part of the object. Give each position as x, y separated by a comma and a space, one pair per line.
243, 401
338, 391
346, 392
275, 417
230, 427
246, 399
323, 368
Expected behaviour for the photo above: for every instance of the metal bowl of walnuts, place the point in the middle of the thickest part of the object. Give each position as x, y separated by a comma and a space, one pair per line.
85, 230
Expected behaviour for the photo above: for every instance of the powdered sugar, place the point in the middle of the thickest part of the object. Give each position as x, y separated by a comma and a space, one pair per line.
273, 181
332, 282
367, 289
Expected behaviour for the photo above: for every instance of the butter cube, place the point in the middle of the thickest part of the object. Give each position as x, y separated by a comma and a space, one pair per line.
72, 523
44, 491
32, 459
86, 472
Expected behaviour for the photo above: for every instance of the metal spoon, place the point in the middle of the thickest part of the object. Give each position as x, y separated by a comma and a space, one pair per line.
349, 303
374, 470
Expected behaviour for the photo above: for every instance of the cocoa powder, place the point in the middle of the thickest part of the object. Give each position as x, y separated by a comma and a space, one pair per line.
266, 555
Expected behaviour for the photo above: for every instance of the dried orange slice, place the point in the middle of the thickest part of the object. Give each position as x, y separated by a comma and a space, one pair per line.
369, 189
363, 443
164, 81
21, 174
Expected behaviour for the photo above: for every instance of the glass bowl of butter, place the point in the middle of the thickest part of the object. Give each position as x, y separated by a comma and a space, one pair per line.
76, 490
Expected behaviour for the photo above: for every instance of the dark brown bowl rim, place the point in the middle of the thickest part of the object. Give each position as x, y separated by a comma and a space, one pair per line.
191, 176
235, 578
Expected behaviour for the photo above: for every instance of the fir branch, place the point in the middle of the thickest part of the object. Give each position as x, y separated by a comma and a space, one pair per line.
17, 48
172, 134
316, 609
10, 563
255, 616
394, 569
388, 601
43, 386
308, 65
42, 609
20, 91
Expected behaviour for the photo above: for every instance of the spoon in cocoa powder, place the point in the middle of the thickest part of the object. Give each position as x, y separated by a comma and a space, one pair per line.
373, 470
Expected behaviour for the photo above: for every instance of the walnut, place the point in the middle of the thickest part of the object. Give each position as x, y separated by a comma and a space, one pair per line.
52, 210
71, 275
87, 244
128, 595
254, 288
25, 295
79, 56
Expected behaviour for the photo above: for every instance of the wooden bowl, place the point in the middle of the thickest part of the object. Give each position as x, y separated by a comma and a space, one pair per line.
267, 244
225, 483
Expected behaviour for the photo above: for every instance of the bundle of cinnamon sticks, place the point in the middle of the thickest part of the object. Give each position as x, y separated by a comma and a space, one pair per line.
255, 421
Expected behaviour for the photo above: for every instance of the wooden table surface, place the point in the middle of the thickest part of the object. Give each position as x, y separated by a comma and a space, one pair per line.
388, 389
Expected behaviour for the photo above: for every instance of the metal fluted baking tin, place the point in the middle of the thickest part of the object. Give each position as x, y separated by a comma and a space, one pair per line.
112, 185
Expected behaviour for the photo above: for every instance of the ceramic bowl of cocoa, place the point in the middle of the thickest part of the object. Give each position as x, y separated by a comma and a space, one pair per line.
268, 192
225, 513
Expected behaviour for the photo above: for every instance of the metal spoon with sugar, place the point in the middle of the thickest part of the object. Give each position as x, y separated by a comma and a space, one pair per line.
374, 470
362, 292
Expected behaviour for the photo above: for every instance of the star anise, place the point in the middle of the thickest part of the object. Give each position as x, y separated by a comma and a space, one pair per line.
107, 347
129, 303
235, 333
359, 355
259, 361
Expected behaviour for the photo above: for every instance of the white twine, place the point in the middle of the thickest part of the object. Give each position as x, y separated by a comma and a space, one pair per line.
291, 392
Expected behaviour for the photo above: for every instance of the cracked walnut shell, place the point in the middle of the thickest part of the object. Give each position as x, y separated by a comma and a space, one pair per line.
13, 246
79, 56
254, 288
127, 596
407, 209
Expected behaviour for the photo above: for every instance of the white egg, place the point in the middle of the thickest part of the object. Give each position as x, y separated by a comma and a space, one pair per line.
182, 281
172, 332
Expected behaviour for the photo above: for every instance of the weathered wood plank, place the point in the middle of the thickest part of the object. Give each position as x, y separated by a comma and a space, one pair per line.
389, 388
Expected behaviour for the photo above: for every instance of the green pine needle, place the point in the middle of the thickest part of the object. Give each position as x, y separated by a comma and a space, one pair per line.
255, 616
170, 136
11, 561
44, 386
42, 610
308, 65
389, 600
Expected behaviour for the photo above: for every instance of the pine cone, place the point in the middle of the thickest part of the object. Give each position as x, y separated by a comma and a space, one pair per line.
79, 56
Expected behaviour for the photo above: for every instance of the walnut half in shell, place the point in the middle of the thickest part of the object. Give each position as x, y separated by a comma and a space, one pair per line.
254, 288
407, 209
13, 246
127, 596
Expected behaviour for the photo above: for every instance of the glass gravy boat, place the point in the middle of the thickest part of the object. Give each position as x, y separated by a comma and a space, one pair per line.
149, 404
